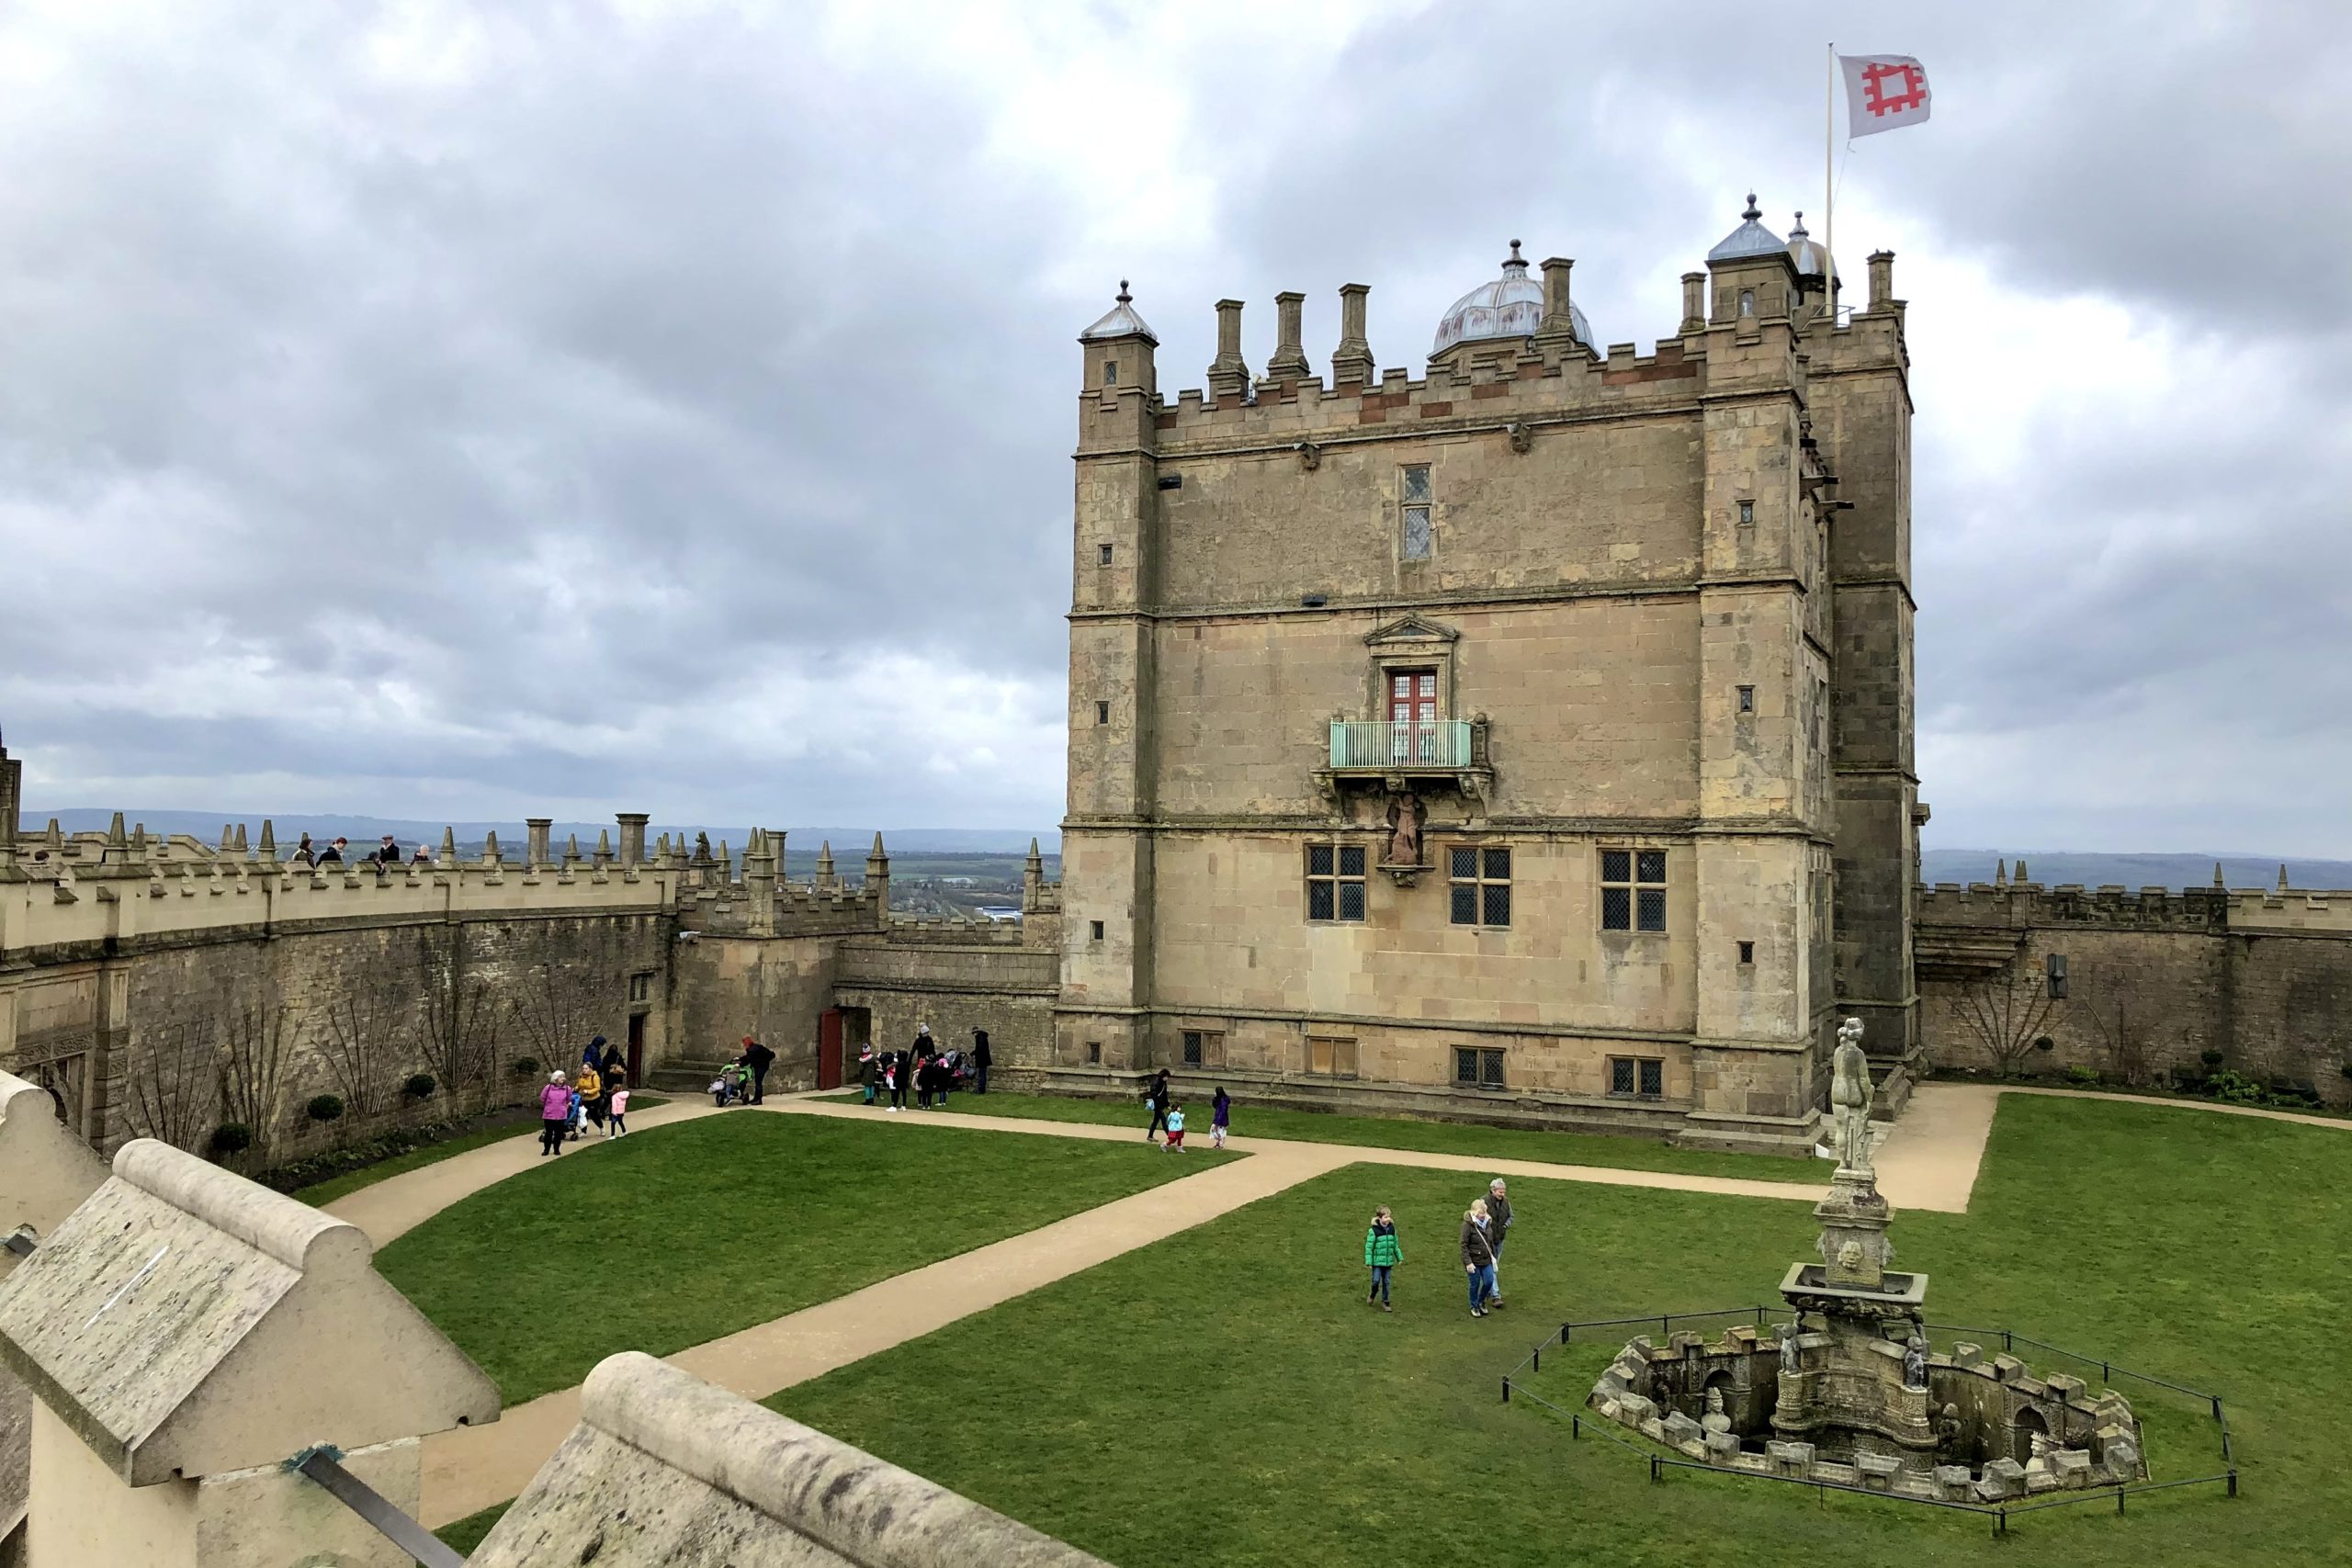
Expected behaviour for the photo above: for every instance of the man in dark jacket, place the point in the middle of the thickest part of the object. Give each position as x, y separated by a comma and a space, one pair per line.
1498, 1233
759, 1059
980, 1059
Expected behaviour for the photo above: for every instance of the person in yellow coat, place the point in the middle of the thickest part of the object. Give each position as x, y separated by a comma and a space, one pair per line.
590, 1084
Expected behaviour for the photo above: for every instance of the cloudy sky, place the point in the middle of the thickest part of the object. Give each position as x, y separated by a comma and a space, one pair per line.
462, 411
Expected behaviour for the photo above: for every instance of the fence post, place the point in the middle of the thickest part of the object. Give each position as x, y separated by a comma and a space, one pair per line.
1576, 1429
2009, 1341
2217, 1407
2234, 1481
1538, 1358
1663, 1331
1506, 1391
1654, 1475
2118, 1500
1563, 1334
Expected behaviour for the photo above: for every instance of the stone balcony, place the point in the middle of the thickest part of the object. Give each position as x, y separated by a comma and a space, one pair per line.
1445, 752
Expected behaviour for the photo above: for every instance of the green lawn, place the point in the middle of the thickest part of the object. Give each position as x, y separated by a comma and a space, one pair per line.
1396, 1133
318, 1194
683, 1234
1260, 1413
466, 1534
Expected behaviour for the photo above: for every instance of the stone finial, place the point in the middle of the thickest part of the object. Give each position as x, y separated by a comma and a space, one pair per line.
56, 836
139, 837
1352, 361
572, 850
117, 838
228, 837
879, 852
1228, 372
605, 846
269, 843
726, 863
2282, 865
1694, 302
2000, 874
1558, 325
2020, 878
448, 846
2217, 875
241, 837
1289, 361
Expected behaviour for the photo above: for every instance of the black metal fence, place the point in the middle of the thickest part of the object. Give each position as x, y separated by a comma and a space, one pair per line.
1582, 1424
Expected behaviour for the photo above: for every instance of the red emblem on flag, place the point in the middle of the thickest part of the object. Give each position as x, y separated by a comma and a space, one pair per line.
1884, 92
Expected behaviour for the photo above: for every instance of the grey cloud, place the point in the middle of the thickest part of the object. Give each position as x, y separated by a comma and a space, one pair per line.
620, 404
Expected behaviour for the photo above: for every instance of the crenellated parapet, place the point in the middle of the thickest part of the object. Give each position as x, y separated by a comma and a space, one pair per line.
122, 890
2024, 906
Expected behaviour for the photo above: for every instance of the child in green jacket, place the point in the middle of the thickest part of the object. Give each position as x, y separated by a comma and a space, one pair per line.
1381, 1254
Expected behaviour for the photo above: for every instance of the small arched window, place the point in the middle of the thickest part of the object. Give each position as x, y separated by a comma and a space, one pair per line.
1747, 301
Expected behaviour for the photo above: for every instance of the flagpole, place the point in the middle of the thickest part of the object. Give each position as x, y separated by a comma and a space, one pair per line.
1828, 181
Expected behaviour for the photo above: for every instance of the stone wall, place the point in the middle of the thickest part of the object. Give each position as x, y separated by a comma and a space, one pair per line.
2152, 980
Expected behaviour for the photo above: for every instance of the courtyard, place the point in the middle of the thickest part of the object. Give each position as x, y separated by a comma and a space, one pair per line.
1219, 1341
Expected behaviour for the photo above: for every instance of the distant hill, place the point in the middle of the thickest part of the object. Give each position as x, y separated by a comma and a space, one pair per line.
2052, 867
850, 844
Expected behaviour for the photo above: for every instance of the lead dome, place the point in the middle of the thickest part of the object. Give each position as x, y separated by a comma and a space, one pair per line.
1511, 306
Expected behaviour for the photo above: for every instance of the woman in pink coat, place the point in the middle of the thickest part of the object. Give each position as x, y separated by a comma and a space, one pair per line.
554, 1114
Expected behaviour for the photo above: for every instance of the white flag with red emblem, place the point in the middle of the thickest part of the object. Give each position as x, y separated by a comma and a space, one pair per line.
1884, 92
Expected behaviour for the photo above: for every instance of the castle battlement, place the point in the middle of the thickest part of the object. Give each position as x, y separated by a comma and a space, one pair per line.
2021, 905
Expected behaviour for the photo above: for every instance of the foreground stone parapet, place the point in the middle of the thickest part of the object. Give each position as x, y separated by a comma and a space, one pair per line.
45, 1172
665, 1469
187, 1333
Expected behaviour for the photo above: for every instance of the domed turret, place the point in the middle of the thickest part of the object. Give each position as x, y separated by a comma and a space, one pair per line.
1511, 306
1814, 264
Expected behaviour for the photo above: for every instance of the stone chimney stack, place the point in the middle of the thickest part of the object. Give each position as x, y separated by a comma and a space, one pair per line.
1558, 325
535, 851
1289, 363
1228, 372
12, 786
1352, 361
632, 836
1694, 302
1882, 280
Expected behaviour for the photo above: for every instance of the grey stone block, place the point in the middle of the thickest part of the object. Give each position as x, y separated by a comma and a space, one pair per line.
1680, 1429
1965, 1353
1723, 1448
2072, 1467
2006, 1476
1953, 1479
1877, 1471
2009, 1369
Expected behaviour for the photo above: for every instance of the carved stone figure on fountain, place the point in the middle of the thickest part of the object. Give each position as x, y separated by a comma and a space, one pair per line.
1850, 1103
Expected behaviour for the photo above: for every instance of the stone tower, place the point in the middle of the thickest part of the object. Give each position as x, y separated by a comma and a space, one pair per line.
1529, 741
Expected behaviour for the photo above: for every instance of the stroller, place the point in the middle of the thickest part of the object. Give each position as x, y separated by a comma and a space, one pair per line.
729, 1087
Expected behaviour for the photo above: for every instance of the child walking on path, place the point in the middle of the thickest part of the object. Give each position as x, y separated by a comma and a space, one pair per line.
1478, 1257
615, 1117
1381, 1254
1220, 1117
1175, 1144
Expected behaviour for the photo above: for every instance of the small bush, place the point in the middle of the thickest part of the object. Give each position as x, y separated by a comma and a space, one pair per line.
525, 1067
2081, 1075
325, 1107
2235, 1089
2210, 1058
419, 1086
229, 1138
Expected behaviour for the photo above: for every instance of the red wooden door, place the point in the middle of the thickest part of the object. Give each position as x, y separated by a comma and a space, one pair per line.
829, 1048
1412, 715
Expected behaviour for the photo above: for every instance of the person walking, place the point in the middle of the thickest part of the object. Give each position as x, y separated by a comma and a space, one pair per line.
1157, 1096
332, 853
1477, 1256
867, 1074
894, 1077
981, 1060
554, 1114
304, 855
1498, 1232
1220, 1117
423, 855
919, 1061
1381, 1254
616, 1120
759, 1059
590, 1084
1175, 1144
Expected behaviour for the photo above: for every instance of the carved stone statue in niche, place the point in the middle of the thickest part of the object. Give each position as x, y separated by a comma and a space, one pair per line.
1915, 1363
1716, 1419
1850, 1098
1405, 814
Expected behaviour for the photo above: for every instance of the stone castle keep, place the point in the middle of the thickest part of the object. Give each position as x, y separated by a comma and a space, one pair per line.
1530, 741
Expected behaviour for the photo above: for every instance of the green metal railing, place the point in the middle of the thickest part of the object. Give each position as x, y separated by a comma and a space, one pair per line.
1430, 743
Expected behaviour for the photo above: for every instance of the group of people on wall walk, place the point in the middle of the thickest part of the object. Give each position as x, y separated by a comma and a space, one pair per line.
596, 1092
1485, 1226
928, 1068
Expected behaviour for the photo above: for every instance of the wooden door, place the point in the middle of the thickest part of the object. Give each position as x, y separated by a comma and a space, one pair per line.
1412, 715
829, 1048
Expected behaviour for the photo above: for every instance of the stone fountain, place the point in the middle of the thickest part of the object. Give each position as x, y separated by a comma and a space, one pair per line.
1847, 1391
